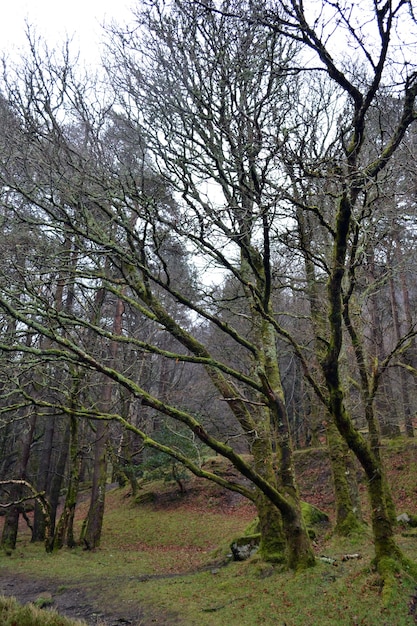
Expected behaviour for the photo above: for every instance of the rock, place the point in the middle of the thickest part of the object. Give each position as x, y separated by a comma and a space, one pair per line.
43, 600
407, 520
314, 518
145, 498
312, 515
244, 547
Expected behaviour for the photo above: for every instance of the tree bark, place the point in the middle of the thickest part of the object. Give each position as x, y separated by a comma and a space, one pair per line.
91, 533
11, 520
43, 478
405, 397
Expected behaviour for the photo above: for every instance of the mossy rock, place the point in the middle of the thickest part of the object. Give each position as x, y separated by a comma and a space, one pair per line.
312, 515
145, 498
313, 518
44, 600
246, 546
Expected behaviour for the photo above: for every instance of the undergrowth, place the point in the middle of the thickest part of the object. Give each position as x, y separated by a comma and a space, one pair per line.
170, 558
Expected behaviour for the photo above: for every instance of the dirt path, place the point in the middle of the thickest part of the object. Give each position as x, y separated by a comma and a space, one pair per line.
78, 603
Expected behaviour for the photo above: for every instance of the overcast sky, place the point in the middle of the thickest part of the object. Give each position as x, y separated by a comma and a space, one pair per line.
54, 20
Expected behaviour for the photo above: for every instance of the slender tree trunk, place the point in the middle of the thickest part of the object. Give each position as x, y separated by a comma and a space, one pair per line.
91, 533
92, 528
44, 478
65, 527
411, 354
299, 553
385, 402
11, 520
58, 477
405, 397
367, 454
348, 513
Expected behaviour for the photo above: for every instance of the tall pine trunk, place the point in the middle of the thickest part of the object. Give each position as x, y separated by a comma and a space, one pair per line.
91, 532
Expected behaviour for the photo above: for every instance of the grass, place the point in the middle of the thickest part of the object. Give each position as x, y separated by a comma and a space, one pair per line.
165, 557
12, 614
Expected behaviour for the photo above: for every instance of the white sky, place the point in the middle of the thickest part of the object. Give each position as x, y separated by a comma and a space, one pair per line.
54, 20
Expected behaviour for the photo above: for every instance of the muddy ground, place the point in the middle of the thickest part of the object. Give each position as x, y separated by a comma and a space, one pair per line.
77, 603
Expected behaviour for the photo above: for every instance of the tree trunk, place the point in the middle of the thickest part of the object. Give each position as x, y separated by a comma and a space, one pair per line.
348, 511
405, 397
299, 553
411, 354
44, 478
273, 546
92, 527
379, 499
91, 533
348, 515
11, 521
65, 527
58, 477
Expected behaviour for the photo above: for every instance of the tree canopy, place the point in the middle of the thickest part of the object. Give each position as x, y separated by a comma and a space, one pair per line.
203, 242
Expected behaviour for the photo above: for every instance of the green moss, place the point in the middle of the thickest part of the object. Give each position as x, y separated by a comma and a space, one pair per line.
313, 518
43, 602
312, 515
349, 526
388, 569
273, 557
273, 541
12, 614
252, 527
145, 497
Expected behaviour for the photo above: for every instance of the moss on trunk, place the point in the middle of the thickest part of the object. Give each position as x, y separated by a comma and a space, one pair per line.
348, 514
91, 531
273, 545
10, 528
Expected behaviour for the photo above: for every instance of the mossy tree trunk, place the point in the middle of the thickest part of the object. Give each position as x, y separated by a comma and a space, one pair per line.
273, 544
348, 509
299, 553
43, 480
366, 453
64, 533
11, 519
59, 474
91, 532
92, 527
348, 516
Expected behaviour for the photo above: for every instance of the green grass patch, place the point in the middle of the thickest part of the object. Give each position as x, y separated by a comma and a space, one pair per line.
12, 614
253, 593
168, 559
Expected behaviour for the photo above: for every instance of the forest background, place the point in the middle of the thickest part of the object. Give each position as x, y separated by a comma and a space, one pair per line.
208, 246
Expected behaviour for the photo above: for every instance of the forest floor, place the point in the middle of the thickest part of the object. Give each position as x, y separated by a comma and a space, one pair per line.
162, 563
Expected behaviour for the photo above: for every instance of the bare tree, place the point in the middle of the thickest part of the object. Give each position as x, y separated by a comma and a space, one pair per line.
213, 164
350, 179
